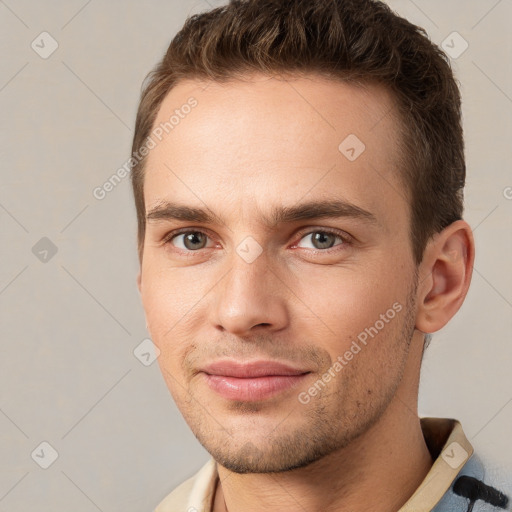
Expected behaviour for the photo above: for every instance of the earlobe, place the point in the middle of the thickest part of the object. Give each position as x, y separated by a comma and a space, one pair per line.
445, 276
139, 279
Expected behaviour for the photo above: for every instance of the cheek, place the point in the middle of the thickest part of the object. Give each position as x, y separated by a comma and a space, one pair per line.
169, 305
347, 301
170, 294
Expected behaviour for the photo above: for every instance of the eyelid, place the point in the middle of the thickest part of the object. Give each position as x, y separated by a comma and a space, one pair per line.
180, 231
343, 235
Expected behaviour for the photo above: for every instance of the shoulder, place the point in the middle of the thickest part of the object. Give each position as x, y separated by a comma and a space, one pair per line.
193, 495
480, 486
460, 480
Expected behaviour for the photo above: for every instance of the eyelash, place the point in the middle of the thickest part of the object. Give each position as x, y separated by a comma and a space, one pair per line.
345, 238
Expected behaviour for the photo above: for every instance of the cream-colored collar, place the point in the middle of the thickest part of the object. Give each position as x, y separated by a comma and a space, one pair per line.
450, 450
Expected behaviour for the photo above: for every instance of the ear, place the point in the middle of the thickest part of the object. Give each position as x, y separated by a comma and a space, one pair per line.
444, 276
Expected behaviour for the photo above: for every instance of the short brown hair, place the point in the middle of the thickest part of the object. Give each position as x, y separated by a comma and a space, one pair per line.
357, 41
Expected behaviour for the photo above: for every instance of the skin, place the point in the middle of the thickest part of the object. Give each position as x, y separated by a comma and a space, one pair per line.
248, 147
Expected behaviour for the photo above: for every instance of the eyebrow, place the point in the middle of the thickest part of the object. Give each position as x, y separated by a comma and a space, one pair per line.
166, 210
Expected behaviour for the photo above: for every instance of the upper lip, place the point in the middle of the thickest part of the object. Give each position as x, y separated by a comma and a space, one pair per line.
259, 368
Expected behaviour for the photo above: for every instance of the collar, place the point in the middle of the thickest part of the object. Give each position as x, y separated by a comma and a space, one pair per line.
450, 450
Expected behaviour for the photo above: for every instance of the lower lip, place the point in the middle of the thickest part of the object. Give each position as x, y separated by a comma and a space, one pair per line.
252, 389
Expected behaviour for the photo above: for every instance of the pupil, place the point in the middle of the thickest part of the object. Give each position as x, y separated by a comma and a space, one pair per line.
320, 240
191, 239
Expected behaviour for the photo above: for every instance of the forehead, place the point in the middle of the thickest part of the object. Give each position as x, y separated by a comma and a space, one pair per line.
265, 140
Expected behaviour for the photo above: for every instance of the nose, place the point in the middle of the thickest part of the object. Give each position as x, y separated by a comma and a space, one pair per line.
249, 298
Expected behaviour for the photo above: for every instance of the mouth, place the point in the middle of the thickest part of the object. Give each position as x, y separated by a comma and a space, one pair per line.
251, 381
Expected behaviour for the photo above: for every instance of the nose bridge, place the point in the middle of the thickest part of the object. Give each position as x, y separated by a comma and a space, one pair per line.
249, 279
249, 294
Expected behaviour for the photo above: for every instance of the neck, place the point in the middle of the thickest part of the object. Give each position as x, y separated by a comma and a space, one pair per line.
380, 470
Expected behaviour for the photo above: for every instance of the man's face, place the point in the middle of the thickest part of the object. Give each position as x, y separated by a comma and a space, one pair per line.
251, 312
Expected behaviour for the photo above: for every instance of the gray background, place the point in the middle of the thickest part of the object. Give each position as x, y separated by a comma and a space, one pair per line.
70, 321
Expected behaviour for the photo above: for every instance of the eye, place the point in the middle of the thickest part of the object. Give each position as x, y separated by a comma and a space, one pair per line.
323, 239
188, 240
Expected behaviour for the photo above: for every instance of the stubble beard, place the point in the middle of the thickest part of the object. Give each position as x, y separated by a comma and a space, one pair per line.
329, 423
